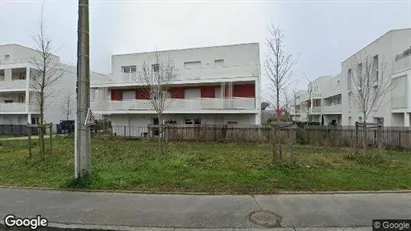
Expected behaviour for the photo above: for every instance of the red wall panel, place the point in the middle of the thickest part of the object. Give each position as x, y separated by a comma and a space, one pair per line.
142, 94
208, 91
244, 90
177, 92
116, 94
239, 90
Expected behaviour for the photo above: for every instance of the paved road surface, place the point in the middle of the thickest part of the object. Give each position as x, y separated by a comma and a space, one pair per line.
189, 211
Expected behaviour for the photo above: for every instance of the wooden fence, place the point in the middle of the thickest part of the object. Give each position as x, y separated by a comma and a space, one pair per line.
390, 137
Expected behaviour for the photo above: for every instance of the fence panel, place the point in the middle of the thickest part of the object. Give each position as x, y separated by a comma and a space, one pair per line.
341, 136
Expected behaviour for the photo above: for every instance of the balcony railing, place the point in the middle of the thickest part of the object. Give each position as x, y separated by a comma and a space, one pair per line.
332, 108
402, 64
18, 108
315, 109
177, 104
184, 75
13, 84
315, 95
12, 107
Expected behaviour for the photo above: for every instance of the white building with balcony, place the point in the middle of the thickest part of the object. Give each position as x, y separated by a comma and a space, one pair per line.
18, 96
331, 99
214, 85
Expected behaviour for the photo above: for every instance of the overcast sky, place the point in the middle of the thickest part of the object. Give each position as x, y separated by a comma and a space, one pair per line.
324, 33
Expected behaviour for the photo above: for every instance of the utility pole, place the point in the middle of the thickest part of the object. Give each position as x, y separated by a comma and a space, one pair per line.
82, 135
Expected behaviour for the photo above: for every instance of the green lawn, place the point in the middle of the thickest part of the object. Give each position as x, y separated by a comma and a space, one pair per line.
204, 167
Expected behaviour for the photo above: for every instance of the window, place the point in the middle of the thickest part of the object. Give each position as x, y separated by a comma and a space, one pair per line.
379, 120
170, 122
349, 77
192, 121
156, 67
349, 101
359, 71
232, 122
338, 82
8, 101
375, 67
192, 65
129, 69
21, 99
6, 57
128, 95
349, 120
218, 62
1, 75
360, 119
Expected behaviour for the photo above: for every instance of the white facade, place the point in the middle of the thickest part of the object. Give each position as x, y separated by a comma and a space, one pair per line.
331, 98
18, 104
217, 85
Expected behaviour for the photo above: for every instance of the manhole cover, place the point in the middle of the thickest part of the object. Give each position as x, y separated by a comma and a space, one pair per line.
265, 218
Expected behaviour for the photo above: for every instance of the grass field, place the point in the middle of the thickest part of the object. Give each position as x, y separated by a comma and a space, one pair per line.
204, 167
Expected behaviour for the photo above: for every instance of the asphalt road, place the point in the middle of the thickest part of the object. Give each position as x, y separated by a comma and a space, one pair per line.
172, 212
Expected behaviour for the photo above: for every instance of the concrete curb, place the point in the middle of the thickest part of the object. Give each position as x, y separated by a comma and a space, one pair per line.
207, 193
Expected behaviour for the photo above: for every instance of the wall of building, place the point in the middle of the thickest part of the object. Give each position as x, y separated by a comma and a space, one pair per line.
144, 120
397, 119
386, 47
245, 90
12, 53
233, 55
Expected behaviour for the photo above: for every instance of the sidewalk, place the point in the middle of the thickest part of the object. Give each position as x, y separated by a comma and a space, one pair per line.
186, 212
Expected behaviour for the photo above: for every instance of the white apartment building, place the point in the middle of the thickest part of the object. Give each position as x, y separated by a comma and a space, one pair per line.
18, 97
214, 85
330, 98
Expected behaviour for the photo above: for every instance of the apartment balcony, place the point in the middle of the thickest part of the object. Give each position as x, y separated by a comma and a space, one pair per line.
402, 64
177, 105
316, 110
332, 109
13, 84
211, 74
315, 95
15, 108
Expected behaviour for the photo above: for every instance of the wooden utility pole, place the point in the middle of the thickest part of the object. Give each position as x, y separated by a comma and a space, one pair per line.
82, 135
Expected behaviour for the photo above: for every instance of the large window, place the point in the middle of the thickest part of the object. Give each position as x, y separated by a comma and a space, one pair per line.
129, 69
192, 65
349, 77
192, 120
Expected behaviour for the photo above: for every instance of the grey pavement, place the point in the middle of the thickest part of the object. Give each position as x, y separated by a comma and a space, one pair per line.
191, 212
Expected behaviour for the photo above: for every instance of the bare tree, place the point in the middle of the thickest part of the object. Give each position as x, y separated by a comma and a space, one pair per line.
369, 85
47, 71
157, 76
279, 64
68, 105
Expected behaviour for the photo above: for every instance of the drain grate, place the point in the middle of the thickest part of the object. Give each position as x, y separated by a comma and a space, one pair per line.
265, 218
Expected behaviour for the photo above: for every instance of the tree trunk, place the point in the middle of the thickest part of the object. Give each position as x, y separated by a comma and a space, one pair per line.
364, 130
41, 129
160, 138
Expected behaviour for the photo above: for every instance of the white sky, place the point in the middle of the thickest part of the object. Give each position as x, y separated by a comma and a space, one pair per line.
324, 33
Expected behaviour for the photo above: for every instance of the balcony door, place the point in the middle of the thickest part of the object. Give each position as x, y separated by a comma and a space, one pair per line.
193, 98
